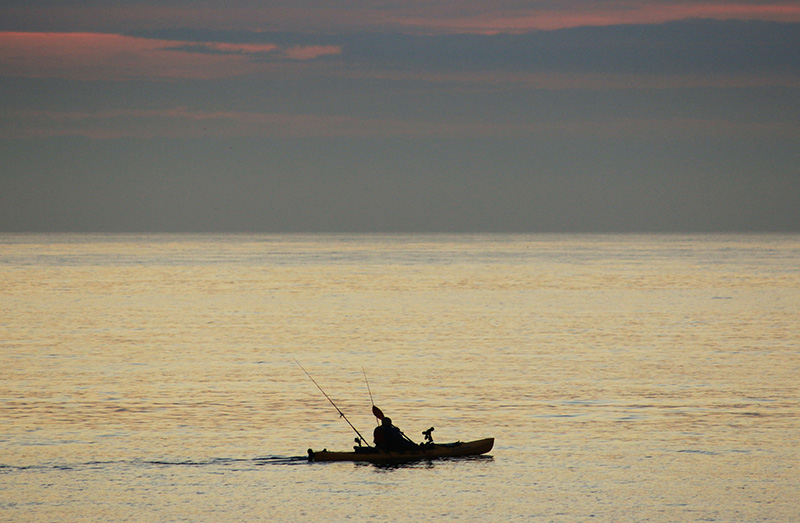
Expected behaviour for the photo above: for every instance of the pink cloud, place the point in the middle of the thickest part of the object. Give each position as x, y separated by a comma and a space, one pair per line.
100, 18
94, 56
467, 16
574, 14
236, 48
311, 52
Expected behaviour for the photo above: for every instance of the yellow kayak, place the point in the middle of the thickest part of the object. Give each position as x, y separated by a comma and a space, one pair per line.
424, 452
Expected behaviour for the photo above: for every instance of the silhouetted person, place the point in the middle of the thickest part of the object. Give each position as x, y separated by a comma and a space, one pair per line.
388, 437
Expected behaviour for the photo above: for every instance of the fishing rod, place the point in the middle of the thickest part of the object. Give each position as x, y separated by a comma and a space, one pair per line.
341, 414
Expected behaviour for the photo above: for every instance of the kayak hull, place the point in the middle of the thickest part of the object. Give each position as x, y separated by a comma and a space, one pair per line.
426, 452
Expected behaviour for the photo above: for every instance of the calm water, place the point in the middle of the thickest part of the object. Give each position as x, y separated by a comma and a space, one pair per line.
625, 378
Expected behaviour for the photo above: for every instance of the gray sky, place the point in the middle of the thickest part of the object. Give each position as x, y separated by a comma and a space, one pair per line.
403, 116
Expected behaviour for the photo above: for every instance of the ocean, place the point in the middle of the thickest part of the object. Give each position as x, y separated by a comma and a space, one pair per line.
623, 377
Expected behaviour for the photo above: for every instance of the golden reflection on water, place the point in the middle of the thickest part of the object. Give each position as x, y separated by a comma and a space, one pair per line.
658, 372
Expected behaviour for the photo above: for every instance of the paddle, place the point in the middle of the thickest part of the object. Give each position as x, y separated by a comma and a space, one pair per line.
375, 410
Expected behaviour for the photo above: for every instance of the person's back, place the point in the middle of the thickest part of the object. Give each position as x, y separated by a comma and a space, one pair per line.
390, 438
380, 436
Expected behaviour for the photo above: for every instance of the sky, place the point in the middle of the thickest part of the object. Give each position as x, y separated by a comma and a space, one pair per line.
399, 116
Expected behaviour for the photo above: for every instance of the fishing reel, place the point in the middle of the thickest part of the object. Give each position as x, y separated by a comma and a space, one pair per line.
358, 440
427, 434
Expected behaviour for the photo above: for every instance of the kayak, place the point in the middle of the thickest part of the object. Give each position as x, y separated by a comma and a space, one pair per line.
424, 452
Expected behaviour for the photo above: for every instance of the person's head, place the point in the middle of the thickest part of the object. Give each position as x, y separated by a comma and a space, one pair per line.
386, 422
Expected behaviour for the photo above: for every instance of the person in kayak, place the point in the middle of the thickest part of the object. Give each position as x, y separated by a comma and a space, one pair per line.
390, 438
